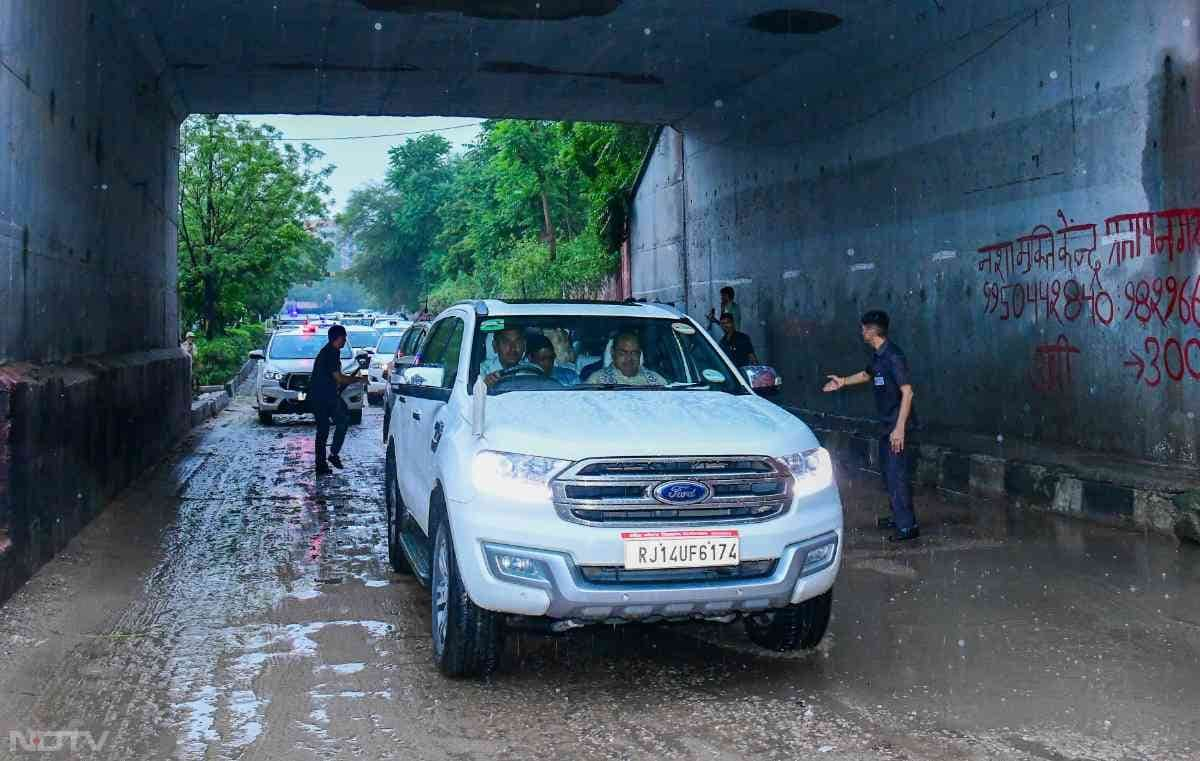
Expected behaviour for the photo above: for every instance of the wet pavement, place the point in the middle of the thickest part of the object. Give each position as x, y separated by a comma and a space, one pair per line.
231, 606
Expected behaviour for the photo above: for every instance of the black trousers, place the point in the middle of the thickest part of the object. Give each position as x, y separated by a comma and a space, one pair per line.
898, 480
330, 411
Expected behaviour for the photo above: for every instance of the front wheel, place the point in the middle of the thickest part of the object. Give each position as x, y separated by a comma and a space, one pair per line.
795, 627
265, 418
466, 638
355, 417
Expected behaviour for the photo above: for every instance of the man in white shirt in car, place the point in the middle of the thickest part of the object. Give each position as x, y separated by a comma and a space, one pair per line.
510, 352
626, 368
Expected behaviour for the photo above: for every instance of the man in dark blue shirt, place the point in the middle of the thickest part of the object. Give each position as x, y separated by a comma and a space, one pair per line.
889, 376
324, 397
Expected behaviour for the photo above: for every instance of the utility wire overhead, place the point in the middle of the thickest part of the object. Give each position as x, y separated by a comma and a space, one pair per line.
375, 137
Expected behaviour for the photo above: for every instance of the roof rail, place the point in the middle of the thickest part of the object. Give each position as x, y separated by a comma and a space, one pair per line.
478, 305
608, 302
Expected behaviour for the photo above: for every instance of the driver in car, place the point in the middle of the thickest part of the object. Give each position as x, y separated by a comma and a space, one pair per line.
626, 368
510, 353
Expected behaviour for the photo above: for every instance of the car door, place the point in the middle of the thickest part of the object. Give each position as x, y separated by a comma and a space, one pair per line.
435, 417
417, 400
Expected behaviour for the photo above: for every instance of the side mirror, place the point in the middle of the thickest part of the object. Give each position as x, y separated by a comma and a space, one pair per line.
257, 354
422, 376
763, 379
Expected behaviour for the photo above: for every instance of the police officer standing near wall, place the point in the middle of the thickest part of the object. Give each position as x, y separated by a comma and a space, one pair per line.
888, 374
324, 396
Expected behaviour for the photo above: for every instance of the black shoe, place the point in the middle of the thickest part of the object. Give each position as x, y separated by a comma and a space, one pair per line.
904, 534
886, 522
336, 461
323, 469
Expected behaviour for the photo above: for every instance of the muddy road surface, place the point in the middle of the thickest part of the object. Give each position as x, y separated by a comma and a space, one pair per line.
232, 606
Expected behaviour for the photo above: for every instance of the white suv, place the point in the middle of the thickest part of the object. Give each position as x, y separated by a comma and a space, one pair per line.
284, 370
542, 500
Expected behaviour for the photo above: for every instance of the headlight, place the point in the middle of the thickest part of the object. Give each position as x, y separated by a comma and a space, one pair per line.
272, 375
522, 476
812, 469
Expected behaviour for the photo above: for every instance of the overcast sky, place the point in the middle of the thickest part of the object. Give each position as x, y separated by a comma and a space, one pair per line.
362, 161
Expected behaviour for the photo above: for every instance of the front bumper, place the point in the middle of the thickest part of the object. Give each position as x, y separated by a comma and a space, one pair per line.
282, 401
562, 548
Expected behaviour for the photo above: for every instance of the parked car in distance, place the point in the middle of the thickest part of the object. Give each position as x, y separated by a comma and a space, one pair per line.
391, 324
404, 355
661, 487
285, 368
381, 365
362, 337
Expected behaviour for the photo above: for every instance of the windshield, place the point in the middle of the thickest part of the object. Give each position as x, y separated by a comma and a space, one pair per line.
389, 343
597, 353
302, 347
362, 337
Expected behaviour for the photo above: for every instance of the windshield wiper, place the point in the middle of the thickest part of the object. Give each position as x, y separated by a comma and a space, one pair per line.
686, 386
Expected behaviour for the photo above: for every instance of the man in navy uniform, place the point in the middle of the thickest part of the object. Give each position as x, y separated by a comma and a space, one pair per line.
324, 397
888, 374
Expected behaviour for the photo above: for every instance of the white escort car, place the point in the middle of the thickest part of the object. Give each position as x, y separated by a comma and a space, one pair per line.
285, 368
633, 475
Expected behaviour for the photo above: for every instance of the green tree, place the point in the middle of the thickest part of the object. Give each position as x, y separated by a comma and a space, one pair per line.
243, 200
396, 225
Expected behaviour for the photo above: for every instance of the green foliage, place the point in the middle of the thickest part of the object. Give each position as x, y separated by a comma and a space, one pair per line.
243, 200
532, 209
219, 359
396, 224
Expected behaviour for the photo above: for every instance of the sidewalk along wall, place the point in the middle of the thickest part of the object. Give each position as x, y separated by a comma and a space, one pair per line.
1024, 201
93, 387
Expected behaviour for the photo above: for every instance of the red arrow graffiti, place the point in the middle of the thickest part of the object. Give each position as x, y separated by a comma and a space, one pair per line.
1137, 362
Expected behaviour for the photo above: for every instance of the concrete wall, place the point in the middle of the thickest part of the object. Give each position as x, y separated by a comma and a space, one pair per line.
657, 262
92, 385
1036, 135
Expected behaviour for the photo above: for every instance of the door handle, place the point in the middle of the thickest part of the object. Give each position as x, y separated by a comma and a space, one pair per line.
416, 415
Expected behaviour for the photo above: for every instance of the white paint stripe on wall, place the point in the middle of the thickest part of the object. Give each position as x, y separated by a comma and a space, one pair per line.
791, 274
942, 256
1128, 235
736, 281
862, 267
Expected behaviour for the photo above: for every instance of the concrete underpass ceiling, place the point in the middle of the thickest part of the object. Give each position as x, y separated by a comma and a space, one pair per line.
690, 63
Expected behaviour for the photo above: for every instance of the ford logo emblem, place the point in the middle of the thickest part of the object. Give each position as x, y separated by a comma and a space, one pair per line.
682, 492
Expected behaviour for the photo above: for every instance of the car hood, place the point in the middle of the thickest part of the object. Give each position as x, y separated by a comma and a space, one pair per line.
303, 365
573, 425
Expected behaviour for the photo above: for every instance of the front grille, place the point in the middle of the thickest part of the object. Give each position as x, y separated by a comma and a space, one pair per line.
296, 381
612, 574
620, 492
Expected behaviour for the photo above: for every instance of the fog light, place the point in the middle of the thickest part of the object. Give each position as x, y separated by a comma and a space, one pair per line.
818, 558
517, 567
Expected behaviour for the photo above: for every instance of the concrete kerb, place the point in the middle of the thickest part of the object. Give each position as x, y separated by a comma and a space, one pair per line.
1125, 493
211, 404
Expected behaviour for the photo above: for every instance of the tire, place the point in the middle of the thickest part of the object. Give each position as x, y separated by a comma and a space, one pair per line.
387, 422
265, 418
467, 639
395, 515
356, 417
374, 399
795, 627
